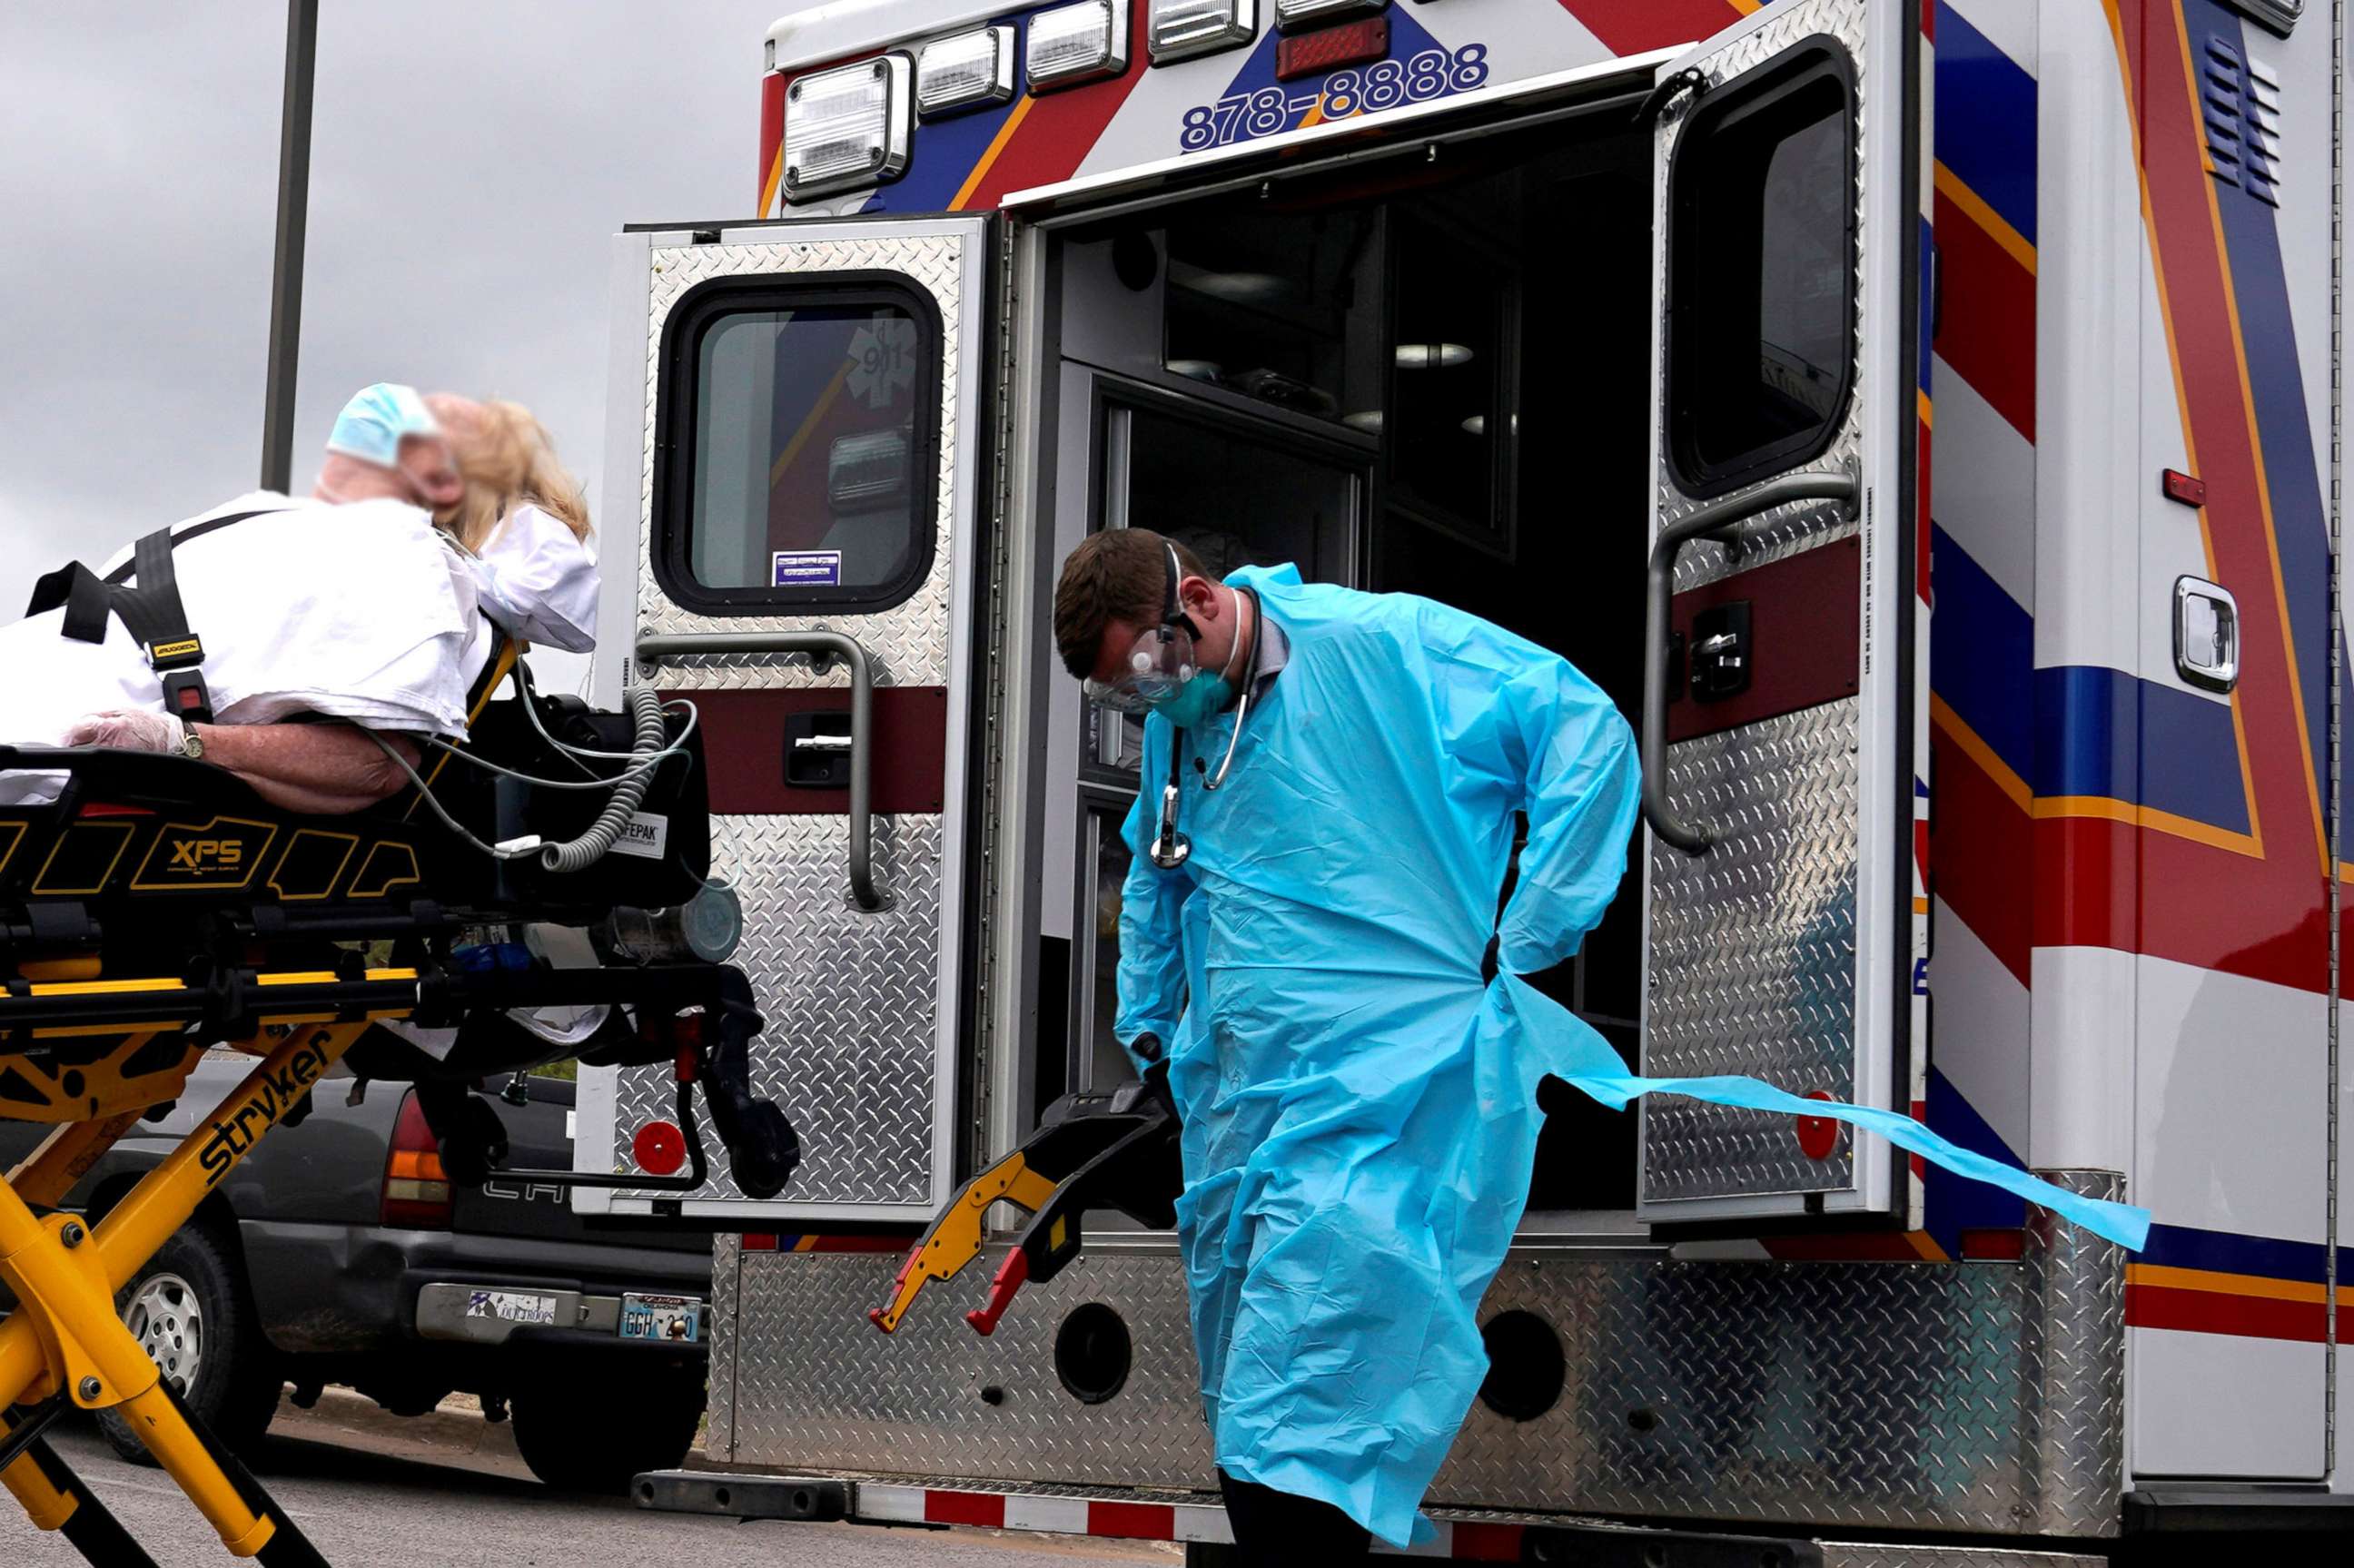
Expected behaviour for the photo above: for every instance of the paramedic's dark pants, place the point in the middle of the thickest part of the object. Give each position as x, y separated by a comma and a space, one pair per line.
1277, 1529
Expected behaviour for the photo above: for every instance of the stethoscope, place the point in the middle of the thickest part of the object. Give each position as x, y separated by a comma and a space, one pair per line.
1171, 847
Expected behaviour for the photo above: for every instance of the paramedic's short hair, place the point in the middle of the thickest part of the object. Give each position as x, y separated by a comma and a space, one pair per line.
1120, 574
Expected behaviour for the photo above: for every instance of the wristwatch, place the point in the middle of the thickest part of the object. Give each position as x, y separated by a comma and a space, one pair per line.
192, 744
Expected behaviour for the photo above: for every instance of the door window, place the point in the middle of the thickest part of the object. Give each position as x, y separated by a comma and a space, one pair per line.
1761, 336
1233, 501
798, 466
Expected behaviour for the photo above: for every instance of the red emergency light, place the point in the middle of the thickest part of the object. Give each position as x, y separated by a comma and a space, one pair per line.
1330, 49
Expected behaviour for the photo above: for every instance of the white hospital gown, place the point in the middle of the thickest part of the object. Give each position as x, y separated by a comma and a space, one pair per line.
538, 581
361, 611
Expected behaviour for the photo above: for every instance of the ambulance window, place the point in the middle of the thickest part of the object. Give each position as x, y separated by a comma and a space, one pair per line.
797, 465
1762, 278
1101, 1064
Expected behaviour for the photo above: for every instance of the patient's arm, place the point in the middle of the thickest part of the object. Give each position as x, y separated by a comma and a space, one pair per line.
322, 769
316, 768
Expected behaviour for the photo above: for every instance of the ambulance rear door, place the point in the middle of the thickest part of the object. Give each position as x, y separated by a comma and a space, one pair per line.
1784, 746
797, 414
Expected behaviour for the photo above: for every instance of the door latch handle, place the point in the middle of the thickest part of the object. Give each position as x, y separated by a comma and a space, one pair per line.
1720, 660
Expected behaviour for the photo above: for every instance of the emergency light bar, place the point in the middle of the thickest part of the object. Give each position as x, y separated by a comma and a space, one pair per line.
1073, 44
2278, 16
848, 128
1291, 14
965, 71
1181, 29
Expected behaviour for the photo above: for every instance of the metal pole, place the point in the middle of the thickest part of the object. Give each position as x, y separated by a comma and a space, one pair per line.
293, 212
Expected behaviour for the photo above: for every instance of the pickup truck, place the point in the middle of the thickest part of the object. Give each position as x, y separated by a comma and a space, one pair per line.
339, 1251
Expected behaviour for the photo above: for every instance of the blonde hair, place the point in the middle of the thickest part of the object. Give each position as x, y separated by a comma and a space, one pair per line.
508, 460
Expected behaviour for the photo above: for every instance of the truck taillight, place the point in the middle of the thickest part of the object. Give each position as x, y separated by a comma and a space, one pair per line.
416, 1188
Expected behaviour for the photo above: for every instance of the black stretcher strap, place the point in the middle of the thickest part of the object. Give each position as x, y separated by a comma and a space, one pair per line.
151, 611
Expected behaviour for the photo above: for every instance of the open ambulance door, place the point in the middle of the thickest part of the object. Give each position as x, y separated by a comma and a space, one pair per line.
797, 436
1782, 734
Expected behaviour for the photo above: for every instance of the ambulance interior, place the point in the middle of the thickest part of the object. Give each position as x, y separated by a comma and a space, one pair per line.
1429, 374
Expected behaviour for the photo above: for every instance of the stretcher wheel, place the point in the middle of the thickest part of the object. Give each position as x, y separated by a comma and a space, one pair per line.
188, 1303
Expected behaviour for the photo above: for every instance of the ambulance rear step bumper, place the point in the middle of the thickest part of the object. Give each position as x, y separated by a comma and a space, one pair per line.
1137, 1514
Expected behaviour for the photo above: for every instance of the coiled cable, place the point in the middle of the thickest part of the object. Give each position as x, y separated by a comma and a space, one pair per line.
578, 854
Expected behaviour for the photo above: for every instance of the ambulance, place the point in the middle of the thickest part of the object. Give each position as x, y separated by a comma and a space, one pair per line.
1922, 417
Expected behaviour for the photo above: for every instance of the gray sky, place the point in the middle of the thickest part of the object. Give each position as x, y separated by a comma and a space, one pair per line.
470, 159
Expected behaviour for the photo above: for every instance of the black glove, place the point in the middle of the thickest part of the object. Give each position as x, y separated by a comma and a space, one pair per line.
1156, 1084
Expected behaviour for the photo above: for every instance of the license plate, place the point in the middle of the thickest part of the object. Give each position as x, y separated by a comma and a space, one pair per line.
677, 1319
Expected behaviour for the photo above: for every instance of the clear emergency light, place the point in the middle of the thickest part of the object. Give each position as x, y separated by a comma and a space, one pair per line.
848, 128
1290, 14
1072, 44
964, 70
1185, 28
2279, 16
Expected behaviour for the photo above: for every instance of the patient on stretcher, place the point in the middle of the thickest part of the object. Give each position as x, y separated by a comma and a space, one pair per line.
364, 604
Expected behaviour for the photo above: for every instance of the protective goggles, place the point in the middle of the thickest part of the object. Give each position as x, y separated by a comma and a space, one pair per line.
1158, 661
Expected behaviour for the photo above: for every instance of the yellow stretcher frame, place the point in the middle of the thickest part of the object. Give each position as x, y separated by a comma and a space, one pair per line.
65, 1339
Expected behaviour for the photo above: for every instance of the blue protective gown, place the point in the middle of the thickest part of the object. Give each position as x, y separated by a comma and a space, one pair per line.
1359, 1106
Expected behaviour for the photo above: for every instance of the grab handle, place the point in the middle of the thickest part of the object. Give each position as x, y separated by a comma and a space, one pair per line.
652, 650
1720, 519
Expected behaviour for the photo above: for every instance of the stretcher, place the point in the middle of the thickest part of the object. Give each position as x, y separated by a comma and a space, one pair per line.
158, 908
1115, 1149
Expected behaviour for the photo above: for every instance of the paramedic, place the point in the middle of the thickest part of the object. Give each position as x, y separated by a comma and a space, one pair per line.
384, 445
521, 521
1309, 934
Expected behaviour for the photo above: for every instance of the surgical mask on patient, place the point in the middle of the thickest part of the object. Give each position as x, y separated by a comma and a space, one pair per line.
373, 424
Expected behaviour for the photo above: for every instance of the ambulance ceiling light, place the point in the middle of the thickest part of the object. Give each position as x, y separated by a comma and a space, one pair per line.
1366, 419
1185, 28
1477, 425
848, 128
1294, 13
1072, 44
1425, 355
1234, 288
964, 70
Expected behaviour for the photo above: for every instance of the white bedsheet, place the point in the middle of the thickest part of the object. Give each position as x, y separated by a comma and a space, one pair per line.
359, 612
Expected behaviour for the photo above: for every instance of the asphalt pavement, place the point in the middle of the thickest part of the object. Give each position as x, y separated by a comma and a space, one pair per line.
448, 1490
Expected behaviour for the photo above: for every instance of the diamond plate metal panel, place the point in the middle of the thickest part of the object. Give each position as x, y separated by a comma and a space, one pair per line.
817, 1386
727, 1316
1752, 948
1752, 953
851, 1004
1804, 525
909, 643
1966, 1397
2076, 1298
